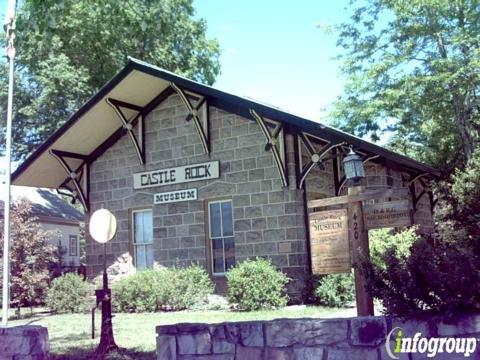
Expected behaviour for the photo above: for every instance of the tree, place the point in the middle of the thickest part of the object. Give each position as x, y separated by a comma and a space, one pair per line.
439, 274
413, 67
31, 257
67, 50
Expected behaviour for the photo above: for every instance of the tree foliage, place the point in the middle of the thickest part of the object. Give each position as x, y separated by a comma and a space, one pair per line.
413, 67
67, 50
439, 274
31, 257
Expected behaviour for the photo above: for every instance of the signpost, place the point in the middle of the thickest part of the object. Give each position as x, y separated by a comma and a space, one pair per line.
329, 236
359, 241
329, 242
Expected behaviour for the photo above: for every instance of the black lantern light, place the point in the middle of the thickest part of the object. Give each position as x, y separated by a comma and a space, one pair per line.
353, 166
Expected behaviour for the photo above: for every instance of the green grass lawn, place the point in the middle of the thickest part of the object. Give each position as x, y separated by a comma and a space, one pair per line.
70, 334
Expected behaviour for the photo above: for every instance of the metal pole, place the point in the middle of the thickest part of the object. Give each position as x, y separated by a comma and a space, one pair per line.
6, 218
107, 340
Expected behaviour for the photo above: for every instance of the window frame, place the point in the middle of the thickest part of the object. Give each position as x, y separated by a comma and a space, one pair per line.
133, 244
70, 238
210, 238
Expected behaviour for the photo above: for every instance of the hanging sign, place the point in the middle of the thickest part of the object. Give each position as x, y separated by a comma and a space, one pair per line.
177, 175
175, 196
387, 214
329, 244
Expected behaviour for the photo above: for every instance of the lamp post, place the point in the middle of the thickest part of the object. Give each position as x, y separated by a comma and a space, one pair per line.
354, 171
103, 226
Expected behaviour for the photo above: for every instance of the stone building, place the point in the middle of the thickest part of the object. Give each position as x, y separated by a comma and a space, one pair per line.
194, 174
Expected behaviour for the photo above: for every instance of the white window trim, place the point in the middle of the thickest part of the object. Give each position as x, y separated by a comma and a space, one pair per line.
70, 245
221, 237
133, 236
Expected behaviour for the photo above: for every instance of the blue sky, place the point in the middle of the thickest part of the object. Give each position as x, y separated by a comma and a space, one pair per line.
275, 52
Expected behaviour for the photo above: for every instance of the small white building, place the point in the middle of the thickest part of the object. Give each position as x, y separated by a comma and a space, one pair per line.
54, 214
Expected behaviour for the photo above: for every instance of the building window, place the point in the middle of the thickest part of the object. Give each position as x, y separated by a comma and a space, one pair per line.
143, 238
73, 243
222, 242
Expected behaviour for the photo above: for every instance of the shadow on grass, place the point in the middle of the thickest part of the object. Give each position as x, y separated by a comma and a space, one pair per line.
75, 353
84, 349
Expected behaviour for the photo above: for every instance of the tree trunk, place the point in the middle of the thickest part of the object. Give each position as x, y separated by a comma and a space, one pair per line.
462, 120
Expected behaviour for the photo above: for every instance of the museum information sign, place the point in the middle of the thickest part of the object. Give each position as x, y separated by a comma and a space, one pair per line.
329, 244
177, 175
387, 214
175, 196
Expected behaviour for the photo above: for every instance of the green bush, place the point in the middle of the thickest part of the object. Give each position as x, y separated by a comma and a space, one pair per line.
435, 278
336, 290
191, 287
383, 240
162, 289
139, 292
256, 284
69, 293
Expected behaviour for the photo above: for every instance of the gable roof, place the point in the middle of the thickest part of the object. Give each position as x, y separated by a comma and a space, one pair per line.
46, 204
95, 126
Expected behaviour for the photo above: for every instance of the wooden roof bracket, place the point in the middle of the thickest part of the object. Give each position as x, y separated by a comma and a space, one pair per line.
138, 143
193, 114
79, 177
315, 157
68, 194
275, 143
426, 190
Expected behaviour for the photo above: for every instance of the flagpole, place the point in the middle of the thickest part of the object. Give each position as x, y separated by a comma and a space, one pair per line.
9, 28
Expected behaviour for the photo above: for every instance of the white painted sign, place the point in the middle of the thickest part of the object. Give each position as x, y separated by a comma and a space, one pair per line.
175, 196
177, 175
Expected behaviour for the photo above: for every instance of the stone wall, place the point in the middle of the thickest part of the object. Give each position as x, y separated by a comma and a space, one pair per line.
360, 338
268, 219
24, 342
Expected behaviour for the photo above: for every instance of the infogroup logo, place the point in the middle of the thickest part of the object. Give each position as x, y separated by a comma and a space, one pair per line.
431, 346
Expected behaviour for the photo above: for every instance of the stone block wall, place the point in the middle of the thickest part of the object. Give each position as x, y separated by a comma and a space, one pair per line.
360, 338
27, 342
268, 219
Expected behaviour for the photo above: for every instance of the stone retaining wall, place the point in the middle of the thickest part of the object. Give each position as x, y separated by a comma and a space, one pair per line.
361, 338
27, 342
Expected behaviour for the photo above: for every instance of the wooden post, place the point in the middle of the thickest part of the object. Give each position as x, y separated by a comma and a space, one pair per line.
359, 242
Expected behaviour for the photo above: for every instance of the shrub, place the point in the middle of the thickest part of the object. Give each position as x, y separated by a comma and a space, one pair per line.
256, 284
336, 290
162, 289
139, 292
441, 278
191, 287
69, 293
383, 240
